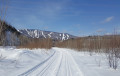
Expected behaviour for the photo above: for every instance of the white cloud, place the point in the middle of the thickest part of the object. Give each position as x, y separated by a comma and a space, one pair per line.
108, 33
100, 30
108, 19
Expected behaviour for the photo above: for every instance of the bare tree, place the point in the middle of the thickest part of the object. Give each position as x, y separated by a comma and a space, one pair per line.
113, 51
3, 11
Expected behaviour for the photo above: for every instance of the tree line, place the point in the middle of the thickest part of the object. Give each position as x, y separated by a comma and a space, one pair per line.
108, 44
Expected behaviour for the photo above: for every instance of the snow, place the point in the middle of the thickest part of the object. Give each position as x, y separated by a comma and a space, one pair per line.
19, 31
16, 61
63, 37
36, 34
67, 36
50, 34
32, 33
53, 62
28, 32
59, 34
95, 65
43, 34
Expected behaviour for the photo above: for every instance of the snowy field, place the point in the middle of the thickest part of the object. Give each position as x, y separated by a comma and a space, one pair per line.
53, 62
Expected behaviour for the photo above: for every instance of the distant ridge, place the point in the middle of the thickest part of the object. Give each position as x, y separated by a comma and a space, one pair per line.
33, 33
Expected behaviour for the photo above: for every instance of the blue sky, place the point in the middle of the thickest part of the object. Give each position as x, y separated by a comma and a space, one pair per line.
77, 17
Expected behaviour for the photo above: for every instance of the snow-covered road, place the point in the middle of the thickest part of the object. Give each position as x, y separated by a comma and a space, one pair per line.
60, 63
53, 62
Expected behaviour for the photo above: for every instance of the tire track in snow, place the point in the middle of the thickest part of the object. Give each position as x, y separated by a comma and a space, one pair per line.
43, 72
76, 67
64, 66
36, 67
68, 65
60, 63
56, 62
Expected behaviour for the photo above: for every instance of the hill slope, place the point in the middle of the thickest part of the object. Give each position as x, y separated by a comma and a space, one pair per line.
45, 34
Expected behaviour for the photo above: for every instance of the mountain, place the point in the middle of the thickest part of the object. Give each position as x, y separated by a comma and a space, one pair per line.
33, 33
8, 34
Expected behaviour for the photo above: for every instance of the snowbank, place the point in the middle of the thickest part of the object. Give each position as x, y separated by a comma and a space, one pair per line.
15, 61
